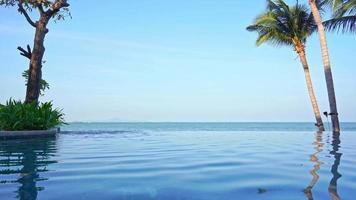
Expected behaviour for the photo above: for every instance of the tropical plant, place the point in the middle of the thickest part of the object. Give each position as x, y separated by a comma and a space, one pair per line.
43, 83
315, 5
17, 116
289, 26
47, 10
344, 16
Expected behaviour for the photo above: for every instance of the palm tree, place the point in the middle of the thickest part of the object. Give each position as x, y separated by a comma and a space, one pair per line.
291, 26
315, 6
344, 16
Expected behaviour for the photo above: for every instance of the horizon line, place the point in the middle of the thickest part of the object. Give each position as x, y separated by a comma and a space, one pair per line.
200, 122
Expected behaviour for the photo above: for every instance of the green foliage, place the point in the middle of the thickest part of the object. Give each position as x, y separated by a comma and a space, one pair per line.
17, 116
44, 85
344, 16
339, 7
56, 8
281, 24
343, 24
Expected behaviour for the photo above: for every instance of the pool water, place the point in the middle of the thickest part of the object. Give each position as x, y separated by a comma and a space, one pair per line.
173, 161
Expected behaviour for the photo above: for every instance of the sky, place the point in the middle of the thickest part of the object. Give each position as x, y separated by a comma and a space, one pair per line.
159, 60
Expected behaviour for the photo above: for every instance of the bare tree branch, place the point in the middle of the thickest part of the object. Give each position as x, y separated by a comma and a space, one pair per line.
38, 4
23, 11
25, 53
40, 7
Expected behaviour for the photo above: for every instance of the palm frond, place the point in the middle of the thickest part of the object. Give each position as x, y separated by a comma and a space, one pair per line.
343, 24
333, 4
282, 24
350, 7
344, 16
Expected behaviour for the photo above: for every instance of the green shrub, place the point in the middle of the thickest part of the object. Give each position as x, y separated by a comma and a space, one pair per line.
18, 116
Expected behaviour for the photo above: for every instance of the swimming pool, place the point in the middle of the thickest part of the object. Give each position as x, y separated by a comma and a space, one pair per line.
181, 161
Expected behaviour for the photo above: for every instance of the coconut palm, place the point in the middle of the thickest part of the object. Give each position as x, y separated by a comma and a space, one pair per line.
344, 16
290, 26
315, 5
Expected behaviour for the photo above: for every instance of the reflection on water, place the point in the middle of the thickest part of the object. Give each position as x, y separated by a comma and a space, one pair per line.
23, 162
318, 146
202, 165
334, 169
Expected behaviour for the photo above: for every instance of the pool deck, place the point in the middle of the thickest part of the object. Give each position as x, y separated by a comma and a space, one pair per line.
5, 135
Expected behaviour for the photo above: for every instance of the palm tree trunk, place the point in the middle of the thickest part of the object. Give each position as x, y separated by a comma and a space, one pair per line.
35, 68
319, 121
327, 67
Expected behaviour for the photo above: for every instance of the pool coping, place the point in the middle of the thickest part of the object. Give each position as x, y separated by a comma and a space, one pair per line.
5, 135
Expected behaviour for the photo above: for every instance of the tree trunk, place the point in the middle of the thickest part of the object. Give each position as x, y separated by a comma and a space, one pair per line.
319, 121
35, 68
327, 67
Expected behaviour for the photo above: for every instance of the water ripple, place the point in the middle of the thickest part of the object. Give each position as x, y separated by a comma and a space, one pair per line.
180, 165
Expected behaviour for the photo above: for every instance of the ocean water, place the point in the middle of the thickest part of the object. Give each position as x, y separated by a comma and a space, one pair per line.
173, 161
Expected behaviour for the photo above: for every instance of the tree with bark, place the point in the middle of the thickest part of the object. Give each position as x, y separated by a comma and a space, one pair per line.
315, 6
47, 9
281, 24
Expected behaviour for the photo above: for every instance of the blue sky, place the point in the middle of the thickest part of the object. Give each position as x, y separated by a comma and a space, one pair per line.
161, 60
